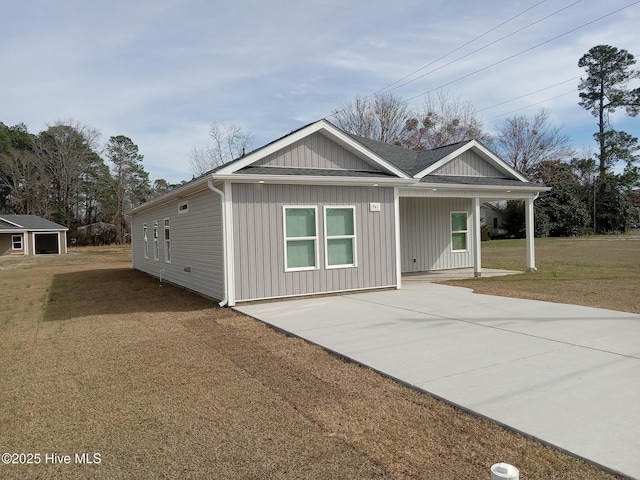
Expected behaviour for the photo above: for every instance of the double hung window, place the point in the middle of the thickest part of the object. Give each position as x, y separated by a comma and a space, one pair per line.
340, 231
146, 241
16, 242
167, 241
300, 238
459, 231
156, 253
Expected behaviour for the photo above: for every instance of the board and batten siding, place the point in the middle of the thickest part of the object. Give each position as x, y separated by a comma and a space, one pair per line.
315, 151
259, 250
196, 244
425, 234
468, 164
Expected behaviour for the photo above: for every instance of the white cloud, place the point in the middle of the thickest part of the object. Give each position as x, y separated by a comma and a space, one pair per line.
160, 72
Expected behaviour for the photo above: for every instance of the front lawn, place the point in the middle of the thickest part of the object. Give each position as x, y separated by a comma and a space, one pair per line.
597, 271
96, 358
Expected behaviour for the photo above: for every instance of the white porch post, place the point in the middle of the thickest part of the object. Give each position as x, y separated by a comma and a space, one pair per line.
530, 228
477, 238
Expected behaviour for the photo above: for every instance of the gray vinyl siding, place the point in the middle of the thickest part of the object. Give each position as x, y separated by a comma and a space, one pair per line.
315, 151
425, 233
196, 243
469, 164
259, 240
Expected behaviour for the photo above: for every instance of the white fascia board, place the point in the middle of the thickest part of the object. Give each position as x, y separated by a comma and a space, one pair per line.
313, 179
483, 151
40, 230
327, 129
183, 191
11, 223
499, 188
14, 231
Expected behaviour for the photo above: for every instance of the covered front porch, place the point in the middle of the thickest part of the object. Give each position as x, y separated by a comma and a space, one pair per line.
440, 230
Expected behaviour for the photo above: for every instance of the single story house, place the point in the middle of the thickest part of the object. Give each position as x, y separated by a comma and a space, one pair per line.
31, 235
320, 211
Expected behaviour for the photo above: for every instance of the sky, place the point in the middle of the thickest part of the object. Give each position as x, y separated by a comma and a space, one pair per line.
161, 71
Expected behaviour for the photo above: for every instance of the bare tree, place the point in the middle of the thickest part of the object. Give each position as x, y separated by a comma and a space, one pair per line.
380, 117
229, 142
66, 150
443, 120
525, 142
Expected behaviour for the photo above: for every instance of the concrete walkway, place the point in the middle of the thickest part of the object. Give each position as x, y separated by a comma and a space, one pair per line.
565, 374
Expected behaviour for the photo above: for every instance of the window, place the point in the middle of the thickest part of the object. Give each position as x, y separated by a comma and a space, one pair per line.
340, 237
167, 241
146, 241
183, 207
495, 223
459, 231
300, 238
16, 242
156, 255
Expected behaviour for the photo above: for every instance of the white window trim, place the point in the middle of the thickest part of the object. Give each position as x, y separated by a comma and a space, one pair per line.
466, 232
183, 210
145, 237
156, 254
285, 238
13, 242
167, 243
339, 237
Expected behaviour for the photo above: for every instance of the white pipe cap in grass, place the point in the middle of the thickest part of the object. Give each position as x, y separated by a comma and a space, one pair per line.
504, 471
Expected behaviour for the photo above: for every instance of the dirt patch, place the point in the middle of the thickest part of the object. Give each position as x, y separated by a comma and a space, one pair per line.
164, 384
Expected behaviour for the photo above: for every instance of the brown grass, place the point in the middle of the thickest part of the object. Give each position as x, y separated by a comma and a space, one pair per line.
96, 357
596, 271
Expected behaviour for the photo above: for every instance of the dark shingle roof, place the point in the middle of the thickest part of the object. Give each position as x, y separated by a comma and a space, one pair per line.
410, 161
32, 222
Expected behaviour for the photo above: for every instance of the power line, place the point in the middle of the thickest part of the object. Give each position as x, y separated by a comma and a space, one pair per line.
533, 104
523, 51
527, 94
460, 47
447, 54
483, 47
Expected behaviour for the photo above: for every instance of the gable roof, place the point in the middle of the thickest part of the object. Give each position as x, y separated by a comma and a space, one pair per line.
421, 163
329, 130
31, 222
411, 161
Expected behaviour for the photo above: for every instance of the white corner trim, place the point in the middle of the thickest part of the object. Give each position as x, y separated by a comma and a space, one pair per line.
11, 223
396, 213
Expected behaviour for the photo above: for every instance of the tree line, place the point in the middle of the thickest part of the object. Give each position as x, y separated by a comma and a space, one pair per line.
65, 175
588, 194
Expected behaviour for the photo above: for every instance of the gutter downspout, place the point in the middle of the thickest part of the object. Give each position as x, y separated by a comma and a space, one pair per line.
225, 300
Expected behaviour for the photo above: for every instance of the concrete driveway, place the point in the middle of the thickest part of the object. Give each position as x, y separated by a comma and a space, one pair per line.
565, 374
